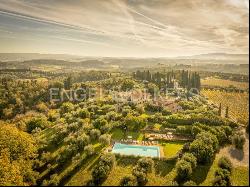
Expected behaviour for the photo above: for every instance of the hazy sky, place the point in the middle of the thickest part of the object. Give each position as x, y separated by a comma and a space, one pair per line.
156, 28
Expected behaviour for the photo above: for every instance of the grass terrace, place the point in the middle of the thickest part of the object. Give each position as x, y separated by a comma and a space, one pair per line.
170, 149
118, 134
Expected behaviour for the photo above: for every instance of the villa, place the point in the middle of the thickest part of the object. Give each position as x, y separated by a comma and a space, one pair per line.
170, 104
135, 97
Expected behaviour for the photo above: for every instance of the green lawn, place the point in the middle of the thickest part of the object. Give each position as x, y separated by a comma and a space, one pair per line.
84, 174
153, 179
117, 174
117, 134
171, 148
202, 175
67, 173
162, 174
240, 176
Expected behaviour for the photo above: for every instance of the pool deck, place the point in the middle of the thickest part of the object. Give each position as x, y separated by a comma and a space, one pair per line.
161, 152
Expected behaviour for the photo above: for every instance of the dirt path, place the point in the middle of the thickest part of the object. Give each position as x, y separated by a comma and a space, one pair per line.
237, 157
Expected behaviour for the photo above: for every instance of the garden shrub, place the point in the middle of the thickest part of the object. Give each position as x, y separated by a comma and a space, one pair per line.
225, 163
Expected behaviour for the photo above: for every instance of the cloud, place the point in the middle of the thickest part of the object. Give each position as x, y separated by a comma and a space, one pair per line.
129, 27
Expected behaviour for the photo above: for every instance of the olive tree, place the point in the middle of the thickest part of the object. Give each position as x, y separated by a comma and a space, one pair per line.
105, 139
238, 140
183, 170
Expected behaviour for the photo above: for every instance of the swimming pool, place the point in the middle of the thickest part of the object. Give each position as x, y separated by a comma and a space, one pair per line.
138, 150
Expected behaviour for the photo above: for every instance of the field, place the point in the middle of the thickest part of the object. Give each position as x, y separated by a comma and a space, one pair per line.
163, 174
84, 173
237, 103
211, 81
118, 134
239, 174
171, 148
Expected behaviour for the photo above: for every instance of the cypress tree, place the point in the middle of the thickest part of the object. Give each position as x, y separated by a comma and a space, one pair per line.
68, 83
227, 112
148, 76
198, 82
219, 112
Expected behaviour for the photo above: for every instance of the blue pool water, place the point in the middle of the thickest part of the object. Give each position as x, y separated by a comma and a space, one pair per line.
149, 151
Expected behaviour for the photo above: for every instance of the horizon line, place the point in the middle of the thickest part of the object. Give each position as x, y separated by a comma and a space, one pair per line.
84, 56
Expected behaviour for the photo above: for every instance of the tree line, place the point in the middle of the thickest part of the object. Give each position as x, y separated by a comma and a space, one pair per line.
186, 79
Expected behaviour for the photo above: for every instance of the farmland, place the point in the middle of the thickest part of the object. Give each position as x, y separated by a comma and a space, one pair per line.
237, 103
213, 81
